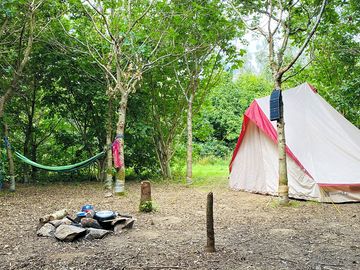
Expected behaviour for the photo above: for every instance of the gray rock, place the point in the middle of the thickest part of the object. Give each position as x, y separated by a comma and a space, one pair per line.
68, 233
129, 223
90, 223
58, 222
47, 230
93, 233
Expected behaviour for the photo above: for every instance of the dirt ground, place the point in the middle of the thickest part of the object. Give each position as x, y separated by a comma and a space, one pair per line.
251, 232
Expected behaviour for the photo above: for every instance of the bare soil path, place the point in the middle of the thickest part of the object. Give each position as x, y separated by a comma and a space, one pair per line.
250, 232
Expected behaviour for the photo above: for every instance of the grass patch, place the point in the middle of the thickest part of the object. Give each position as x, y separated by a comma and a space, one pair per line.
209, 171
275, 203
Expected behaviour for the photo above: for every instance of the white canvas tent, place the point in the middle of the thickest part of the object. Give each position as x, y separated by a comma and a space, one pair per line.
323, 150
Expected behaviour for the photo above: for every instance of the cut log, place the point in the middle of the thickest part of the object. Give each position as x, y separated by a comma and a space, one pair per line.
58, 214
44, 219
54, 216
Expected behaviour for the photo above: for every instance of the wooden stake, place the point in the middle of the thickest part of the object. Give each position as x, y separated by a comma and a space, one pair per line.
145, 192
210, 245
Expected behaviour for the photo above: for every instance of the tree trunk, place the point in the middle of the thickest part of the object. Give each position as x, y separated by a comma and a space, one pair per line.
165, 168
109, 160
29, 131
189, 141
163, 155
4, 99
164, 162
11, 160
283, 179
120, 128
19, 69
102, 170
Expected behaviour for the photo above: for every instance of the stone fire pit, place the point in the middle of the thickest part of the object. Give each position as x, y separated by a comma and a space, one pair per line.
86, 225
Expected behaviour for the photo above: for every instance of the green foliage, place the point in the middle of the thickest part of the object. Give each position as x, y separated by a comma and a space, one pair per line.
334, 71
147, 207
58, 114
218, 124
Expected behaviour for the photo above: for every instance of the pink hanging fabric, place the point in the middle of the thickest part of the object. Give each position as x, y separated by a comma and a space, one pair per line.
116, 150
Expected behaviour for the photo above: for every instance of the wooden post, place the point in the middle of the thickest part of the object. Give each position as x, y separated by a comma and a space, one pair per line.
210, 245
145, 192
145, 199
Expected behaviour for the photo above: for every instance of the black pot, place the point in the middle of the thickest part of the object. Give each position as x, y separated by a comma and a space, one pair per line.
104, 215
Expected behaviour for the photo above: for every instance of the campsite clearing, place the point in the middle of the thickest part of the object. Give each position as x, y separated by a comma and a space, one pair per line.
251, 232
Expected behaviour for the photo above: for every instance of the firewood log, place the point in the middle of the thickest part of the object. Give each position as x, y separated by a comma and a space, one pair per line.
44, 219
58, 214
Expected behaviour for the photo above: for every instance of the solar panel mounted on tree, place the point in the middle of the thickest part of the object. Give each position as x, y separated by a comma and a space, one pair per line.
276, 105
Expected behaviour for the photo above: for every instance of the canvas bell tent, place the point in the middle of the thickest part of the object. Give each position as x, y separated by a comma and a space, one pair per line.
323, 150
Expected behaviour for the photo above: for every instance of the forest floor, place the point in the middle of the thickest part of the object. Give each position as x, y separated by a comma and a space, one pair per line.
252, 232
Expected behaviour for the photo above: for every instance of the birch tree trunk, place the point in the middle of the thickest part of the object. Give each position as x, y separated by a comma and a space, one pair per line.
189, 141
280, 28
120, 128
283, 189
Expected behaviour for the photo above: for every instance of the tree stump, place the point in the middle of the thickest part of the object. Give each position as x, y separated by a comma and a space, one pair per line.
210, 245
145, 198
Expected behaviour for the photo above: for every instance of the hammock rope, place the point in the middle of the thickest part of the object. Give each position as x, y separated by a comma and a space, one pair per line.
65, 168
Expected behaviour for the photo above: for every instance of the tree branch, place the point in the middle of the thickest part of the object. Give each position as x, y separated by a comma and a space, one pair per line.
307, 40
297, 72
104, 19
139, 18
95, 26
257, 28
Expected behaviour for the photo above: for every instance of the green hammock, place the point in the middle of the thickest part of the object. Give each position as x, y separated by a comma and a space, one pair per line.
67, 168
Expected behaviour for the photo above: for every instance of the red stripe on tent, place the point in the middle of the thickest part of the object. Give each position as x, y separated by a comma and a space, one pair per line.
241, 137
255, 114
337, 185
312, 88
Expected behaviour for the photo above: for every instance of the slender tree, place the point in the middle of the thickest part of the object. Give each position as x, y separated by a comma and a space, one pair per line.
17, 36
123, 39
283, 24
208, 41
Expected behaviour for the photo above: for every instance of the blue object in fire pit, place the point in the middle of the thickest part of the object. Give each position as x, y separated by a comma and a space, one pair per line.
87, 208
81, 214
